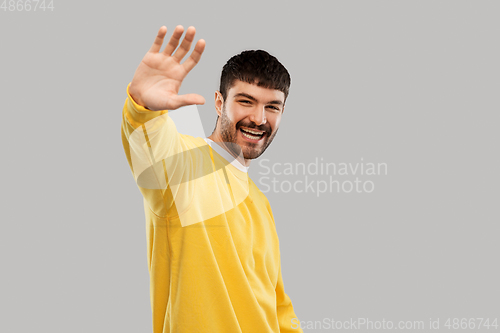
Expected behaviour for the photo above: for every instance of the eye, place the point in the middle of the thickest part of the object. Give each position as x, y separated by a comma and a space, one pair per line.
273, 107
244, 101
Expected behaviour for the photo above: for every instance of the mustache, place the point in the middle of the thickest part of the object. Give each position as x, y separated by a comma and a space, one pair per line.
264, 128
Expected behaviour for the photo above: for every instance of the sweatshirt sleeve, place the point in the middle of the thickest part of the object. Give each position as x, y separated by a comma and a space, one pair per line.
157, 157
287, 319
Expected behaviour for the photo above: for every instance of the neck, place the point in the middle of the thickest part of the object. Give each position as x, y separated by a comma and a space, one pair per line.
215, 137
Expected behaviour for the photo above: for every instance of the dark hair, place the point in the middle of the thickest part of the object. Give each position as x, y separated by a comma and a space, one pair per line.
255, 67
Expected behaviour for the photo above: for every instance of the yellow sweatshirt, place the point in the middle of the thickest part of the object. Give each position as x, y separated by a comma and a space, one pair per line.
213, 250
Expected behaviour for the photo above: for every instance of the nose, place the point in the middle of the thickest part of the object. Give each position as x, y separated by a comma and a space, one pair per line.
258, 116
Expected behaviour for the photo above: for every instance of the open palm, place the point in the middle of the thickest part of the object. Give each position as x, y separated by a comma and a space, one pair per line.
158, 78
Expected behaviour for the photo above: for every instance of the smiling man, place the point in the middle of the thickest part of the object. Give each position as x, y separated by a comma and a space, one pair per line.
213, 251
251, 100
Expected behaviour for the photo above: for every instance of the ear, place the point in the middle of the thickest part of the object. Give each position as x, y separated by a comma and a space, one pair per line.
218, 102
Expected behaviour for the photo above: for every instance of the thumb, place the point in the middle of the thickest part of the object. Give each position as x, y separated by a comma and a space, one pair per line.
189, 99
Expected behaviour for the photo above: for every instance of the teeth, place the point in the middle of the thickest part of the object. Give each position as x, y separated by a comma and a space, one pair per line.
253, 132
250, 136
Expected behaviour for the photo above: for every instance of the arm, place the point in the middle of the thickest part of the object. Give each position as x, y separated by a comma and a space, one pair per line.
287, 319
153, 147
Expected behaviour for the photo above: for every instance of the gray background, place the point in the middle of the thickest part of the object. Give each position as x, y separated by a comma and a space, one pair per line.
413, 84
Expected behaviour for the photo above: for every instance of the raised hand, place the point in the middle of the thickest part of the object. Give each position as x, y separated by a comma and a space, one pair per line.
159, 76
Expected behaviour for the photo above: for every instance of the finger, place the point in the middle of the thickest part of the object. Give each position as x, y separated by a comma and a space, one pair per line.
159, 40
188, 99
195, 56
174, 40
185, 45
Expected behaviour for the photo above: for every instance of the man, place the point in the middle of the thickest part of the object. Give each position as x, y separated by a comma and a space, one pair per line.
213, 251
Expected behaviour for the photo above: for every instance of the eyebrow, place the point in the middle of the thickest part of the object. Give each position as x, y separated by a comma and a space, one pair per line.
278, 102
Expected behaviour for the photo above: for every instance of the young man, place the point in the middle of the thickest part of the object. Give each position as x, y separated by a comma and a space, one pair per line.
213, 251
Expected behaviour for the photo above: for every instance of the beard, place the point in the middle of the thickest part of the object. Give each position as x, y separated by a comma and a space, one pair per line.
229, 134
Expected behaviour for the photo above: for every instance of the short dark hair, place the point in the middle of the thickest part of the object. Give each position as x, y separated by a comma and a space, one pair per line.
255, 67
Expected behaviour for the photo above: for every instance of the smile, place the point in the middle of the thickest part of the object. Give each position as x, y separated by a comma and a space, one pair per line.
252, 135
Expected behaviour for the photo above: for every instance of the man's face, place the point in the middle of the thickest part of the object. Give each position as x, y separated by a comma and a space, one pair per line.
250, 117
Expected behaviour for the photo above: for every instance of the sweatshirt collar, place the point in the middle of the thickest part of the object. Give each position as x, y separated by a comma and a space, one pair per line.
225, 154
